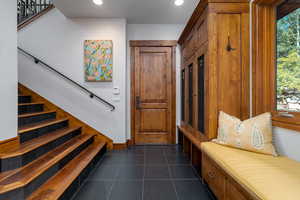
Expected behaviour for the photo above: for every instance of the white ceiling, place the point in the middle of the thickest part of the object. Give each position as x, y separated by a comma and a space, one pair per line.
135, 11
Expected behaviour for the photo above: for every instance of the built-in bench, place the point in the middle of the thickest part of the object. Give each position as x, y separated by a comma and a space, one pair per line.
234, 174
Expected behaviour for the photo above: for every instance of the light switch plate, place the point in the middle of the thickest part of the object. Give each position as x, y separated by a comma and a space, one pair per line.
116, 90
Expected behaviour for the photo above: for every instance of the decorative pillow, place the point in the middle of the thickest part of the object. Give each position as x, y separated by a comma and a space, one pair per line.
254, 134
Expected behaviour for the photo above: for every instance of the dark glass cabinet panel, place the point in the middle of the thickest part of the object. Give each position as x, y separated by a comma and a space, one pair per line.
183, 95
190, 95
201, 93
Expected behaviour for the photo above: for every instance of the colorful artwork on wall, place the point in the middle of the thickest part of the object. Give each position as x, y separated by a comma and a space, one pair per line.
98, 60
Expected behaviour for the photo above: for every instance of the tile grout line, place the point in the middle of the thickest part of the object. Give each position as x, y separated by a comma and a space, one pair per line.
114, 181
170, 174
143, 184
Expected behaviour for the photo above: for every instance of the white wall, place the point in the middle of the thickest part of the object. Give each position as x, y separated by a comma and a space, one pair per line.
58, 41
8, 69
152, 32
287, 142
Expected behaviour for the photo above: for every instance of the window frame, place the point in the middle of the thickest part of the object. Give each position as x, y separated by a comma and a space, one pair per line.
264, 59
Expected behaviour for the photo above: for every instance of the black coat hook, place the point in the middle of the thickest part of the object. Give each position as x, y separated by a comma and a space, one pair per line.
229, 48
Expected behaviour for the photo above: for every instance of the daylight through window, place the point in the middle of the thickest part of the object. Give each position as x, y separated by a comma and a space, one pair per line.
288, 58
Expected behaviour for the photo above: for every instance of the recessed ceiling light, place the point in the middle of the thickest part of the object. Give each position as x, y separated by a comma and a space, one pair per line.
178, 2
98, 2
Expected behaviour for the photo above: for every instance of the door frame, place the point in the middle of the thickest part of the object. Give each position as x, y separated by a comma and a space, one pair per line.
152, 43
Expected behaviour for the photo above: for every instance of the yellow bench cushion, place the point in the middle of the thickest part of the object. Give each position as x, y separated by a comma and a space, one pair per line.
267, 177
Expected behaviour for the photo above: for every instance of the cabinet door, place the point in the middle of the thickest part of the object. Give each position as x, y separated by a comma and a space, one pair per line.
200, 97
214, 177
183, 94
229, 63
234, 193
189, 92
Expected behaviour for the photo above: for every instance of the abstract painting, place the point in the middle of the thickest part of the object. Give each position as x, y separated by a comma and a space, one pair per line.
98, 60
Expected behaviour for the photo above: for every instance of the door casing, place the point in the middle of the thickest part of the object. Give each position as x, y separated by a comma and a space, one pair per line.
153, 43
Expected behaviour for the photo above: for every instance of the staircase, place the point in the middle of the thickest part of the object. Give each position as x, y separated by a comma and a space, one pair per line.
52, 158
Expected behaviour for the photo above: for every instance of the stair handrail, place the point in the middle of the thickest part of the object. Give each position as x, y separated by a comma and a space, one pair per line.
29, 9
91, 94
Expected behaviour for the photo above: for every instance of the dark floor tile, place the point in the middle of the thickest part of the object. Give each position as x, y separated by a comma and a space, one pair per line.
117, 152
159, 190
191, 190
136, 151
131, 172
137, 147
113, 159
154, 152
149, 147
94, 190
155, 160
173, 151
127, 190
157, 172
177, 159
183, 172
104, 171
178, 147
134, 159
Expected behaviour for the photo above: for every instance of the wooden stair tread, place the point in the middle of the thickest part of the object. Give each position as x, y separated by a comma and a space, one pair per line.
36, 142
22, 176
56, 185
33, 103
34, 126
6, 174
36, 113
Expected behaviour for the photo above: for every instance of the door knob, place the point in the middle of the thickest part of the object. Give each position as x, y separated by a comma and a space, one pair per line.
138, 102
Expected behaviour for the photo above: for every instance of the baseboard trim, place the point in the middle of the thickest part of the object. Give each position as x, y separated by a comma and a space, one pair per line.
122, 146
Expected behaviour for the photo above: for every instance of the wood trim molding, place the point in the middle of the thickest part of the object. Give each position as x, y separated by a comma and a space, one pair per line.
153, 43
174, 99
35, 17
122, 146
132, 93
264, 62
198, 12
9, 144
263, 54
193, 20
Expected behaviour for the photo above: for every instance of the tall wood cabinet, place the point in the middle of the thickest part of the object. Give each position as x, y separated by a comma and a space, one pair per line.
215, 66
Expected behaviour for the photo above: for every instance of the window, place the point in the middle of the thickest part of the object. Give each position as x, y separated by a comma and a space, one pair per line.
276, 61
288, 58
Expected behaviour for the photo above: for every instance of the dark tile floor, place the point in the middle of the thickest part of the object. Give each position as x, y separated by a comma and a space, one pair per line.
144, 173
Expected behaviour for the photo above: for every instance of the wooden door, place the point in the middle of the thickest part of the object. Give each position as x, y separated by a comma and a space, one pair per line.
152, 95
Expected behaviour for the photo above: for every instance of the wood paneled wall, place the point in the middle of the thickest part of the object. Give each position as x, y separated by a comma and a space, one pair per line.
219, 31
